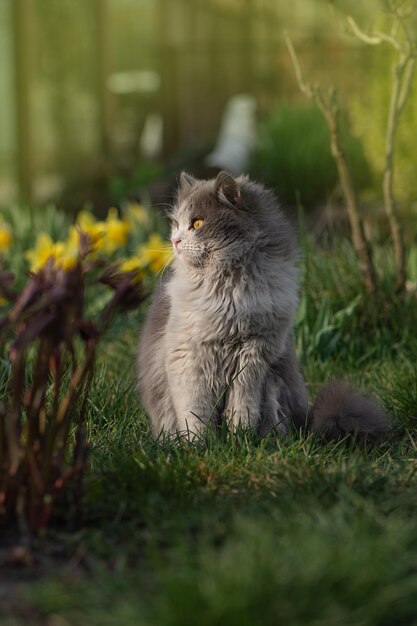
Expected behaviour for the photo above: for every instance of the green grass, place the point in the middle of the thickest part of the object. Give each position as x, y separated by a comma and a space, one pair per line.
244, 531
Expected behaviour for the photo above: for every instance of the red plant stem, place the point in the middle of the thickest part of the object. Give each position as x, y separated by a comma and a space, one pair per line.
2, 449
14, 415
38, 389
76, 385
60, 423
57, 380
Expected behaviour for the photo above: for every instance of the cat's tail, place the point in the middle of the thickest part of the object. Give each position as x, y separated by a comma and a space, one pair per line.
340, 410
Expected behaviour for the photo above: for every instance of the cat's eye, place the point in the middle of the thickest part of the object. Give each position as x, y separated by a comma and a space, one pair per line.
174, 223
197, 224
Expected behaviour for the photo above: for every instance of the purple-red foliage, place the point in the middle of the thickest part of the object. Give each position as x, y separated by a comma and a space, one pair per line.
51, 352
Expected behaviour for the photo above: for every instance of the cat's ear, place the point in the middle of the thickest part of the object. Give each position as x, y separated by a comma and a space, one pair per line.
227, 188
187, 182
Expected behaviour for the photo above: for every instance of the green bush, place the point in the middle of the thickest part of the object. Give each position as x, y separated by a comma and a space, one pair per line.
293, 155
375, 98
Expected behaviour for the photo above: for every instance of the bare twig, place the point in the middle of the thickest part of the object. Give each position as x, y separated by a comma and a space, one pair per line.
406, 83
331, 111
372, 40
402, 77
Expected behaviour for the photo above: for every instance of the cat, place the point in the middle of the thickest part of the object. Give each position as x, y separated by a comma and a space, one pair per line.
217, 341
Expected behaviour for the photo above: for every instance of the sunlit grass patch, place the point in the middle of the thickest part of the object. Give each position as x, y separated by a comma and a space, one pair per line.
238, 529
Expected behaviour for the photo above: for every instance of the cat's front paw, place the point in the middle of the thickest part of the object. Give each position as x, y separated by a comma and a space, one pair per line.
190, 425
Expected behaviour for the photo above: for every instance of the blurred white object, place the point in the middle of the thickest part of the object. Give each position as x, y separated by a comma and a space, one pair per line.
237, 135
140, 81
152, 137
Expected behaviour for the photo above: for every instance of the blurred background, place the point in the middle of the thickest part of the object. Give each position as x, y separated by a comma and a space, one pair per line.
106, 99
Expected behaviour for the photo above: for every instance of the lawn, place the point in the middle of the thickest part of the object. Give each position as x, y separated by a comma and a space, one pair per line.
237, 529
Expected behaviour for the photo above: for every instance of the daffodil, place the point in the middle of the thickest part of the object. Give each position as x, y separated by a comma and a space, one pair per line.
137, 214
44, 249
86, 219
106, 236
5, 237
116, 232
94, 229
65, 254
133, 266
155, 253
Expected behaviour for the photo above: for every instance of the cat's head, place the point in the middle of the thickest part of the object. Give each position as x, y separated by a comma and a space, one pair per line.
209, 222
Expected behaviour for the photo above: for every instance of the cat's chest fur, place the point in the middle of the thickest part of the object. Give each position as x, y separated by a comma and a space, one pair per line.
233, 305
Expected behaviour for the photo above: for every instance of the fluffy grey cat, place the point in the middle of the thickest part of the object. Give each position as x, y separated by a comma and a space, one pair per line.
217, 341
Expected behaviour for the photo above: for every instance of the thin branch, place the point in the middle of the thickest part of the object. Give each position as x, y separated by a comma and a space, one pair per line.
403, 72
330, 110
401, 19
407, 81
374, 39
304, 87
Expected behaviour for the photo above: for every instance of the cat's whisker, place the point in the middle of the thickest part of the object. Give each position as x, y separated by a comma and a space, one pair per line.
155, 250
160, 273
166, 204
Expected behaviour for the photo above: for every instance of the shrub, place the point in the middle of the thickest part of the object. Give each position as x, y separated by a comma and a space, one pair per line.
293, 156
49, 333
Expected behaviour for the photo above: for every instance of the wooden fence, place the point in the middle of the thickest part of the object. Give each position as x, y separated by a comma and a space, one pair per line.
85, 74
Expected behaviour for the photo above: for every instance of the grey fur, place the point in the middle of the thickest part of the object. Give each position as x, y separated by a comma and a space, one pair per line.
217, 338
340, 410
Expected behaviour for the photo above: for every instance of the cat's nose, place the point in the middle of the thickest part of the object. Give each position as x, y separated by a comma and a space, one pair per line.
176, 241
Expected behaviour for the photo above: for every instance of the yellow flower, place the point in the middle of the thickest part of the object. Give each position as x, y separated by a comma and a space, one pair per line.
85, 219
64, 253
67, 253
137, 214
116, 232
105, 236
3, 302
94, 229
155, 253
132, 265
44, 249
5, 237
